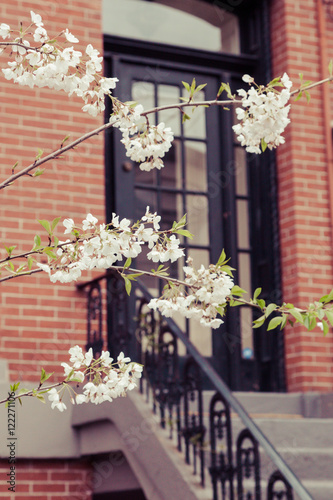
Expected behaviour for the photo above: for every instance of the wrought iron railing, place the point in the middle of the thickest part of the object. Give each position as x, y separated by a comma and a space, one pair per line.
174, 385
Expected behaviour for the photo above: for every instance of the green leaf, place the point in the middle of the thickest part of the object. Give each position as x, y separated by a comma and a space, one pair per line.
185, 233
329, 316
261, 303
325, 327
46, 225
54, 223
14, 387
284, 321
30, 263
45, 376
257, 292
274, 82
50, 253
9, 250
65, 139
200, 87
299, 95
307, 95
327, 298
227, 269
259, 322
297, 315
274, 322
39, 154
193, 84
186, 85
237, 290
38, 172
222, 260
234, 303
128, 286
37, 241
128, 263
180, 224
269, 309
55, 241
263, 145
330, 68
185, 117
40, 398
133, 276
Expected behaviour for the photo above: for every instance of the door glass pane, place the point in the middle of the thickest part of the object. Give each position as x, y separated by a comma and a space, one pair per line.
196, 165
196, 126
244, 273
246, 333
200, 335
200, 257
243, 224
171, 173
169, 94
197, 218
144, 93
240, 171
171, 209
144, 198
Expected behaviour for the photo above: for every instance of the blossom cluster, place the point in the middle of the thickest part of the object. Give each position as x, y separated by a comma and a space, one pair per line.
47, 64
205, 298
104, 381
263, 115
144, 143
101, 246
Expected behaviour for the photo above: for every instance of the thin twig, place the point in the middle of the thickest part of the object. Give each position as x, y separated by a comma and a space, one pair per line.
31, 392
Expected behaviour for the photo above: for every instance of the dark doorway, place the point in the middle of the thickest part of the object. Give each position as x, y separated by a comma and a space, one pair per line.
228, 195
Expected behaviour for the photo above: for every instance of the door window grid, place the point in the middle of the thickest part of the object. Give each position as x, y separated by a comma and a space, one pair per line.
180, 187
244, 251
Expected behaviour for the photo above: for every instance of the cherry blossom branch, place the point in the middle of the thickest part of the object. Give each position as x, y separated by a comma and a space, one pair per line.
311, 85
32, 392
54, 155
102, 128
18, 44
191, 104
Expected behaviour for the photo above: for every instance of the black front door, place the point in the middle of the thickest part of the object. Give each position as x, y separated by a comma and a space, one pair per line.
206, 177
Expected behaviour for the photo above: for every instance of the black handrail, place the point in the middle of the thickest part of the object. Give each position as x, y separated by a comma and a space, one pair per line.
223, 389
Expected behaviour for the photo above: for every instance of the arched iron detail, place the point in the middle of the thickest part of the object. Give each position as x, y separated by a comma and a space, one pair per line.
118, 318
94, 319
278, 487
158, 351
221, 463
146, 343
194, 430
248, 466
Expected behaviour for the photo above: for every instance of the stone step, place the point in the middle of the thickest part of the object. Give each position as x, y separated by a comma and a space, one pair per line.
312, 433
307, 405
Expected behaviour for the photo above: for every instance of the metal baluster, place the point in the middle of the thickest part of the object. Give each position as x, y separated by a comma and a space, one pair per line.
221, 466
285, 491
94, 319
194, 430
248, 464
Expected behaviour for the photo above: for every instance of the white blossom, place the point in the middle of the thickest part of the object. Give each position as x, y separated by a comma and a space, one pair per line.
263, 116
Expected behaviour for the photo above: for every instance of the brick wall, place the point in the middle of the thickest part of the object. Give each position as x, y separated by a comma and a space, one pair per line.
40, 321
305, 222
48, 480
